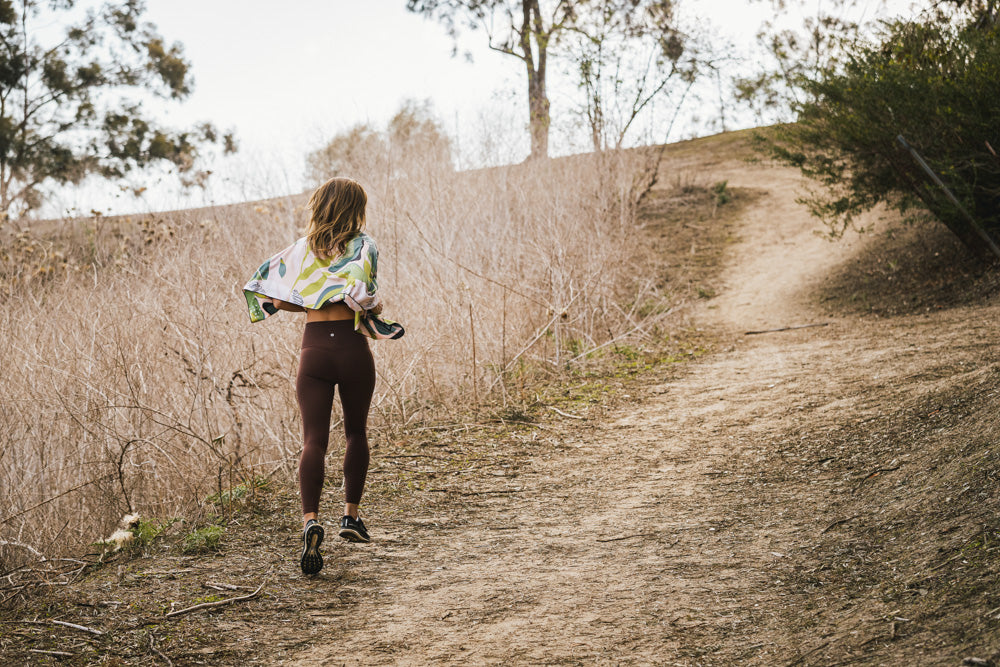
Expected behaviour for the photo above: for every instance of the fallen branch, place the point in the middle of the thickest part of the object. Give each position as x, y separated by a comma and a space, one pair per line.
801, 326
219, 603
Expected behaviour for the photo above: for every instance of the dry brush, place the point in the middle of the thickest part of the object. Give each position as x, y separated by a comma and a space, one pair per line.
134, 381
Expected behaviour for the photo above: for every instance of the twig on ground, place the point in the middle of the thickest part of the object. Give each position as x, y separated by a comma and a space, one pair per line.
474, 493
873, 473
838, 522
802, 656
220, 603
564, 414
61, 654
801, 326
624, 537
74, 626
219, 586
82, 628
940, 565
155, 650
412, 456
26, 547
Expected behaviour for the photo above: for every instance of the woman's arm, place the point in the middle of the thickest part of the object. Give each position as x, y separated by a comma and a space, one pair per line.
284, 305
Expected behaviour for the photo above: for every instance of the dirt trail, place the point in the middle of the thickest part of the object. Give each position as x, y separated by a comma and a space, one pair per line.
633, 540
813, 496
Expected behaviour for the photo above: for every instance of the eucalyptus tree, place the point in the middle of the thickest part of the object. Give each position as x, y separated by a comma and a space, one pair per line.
624, 52
73, 78
523, 29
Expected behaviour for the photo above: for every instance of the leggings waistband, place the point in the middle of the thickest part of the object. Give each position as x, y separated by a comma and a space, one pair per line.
334, 332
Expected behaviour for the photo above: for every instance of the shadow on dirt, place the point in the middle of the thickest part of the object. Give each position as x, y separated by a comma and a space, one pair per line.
908, 268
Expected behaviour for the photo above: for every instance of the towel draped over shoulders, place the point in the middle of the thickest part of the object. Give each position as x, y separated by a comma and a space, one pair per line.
297, 275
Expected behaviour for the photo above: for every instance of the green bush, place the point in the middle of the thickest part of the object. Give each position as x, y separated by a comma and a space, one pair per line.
203, 540
935, 85
721, 194
238, 492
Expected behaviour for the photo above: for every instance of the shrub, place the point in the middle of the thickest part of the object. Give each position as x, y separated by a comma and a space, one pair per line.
202, 540
932, 83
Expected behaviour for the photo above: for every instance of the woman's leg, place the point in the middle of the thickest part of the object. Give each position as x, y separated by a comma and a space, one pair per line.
357, 384
314, 390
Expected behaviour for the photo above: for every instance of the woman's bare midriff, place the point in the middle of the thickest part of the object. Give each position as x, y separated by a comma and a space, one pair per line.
330, 313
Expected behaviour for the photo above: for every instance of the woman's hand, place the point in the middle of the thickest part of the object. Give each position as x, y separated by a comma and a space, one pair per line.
284, 305
377, 310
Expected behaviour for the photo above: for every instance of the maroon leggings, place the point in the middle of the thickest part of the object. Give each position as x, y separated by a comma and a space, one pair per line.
333, 354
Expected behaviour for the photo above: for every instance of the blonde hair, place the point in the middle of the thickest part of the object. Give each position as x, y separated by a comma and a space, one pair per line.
338, 215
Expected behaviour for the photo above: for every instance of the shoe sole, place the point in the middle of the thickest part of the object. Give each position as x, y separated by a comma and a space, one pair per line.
353, 535
312, 560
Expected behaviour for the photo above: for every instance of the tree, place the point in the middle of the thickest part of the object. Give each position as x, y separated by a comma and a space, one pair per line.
626, 53
931, 82
412, 143
794, 57
64, 112
524, 29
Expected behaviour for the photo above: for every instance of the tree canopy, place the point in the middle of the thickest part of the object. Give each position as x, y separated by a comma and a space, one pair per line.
931, 83
72, 106
602, 33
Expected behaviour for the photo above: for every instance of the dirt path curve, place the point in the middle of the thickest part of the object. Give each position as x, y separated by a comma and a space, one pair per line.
626, 541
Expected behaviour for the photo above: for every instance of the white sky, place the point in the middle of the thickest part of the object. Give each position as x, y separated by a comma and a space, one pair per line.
287, 76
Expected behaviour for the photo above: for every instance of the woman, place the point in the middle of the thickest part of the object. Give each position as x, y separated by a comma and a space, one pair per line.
330, 275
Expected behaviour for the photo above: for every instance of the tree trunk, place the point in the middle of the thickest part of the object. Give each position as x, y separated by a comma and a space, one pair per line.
538, 116
532, 25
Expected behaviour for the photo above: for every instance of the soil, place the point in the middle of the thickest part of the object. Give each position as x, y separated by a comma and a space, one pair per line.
821, 493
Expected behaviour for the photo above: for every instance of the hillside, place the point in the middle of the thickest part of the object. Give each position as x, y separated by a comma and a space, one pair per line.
823, 491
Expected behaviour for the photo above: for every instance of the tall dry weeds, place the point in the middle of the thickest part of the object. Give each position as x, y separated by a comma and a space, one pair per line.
135, 382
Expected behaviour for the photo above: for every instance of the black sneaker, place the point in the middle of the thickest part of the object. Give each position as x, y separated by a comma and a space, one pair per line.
312, 537
353, 530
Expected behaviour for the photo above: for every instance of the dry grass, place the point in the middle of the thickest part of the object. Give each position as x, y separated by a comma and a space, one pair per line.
135, 382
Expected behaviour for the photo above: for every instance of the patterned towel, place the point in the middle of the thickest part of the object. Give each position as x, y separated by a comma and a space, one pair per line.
298, 276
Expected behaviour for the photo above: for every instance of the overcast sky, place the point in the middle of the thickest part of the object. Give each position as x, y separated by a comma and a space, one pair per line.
286, 76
